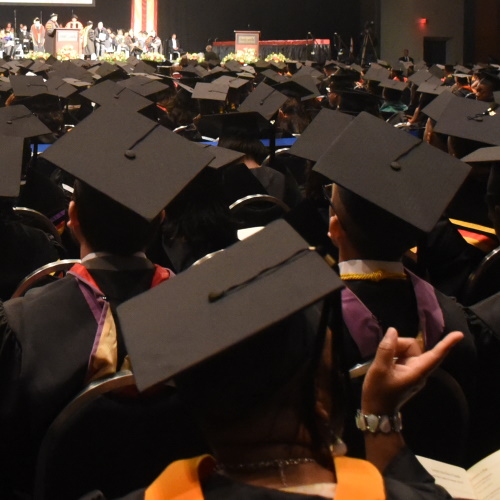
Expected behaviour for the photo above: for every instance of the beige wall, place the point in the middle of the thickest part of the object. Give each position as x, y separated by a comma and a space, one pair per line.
400, 29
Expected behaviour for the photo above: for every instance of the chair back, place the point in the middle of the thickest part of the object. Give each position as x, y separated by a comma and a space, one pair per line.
53, 270
113, 439
484, 281
38, 220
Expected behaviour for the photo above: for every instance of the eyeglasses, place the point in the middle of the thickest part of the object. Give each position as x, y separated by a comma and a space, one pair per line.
328, 193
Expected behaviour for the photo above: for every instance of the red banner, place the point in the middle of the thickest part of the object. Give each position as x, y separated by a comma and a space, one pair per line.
144, 15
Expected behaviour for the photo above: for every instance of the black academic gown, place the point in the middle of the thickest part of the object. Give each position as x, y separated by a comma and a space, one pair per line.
429, 428
46, 339
404, 478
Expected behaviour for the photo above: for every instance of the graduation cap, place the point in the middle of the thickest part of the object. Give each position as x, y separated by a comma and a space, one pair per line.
40, 67
144, 86
222, 156
463, 69
310, 71
28, 86
280, 65
302, 87
233, 66
246, 124
210, 91
470, 119
144, 67
274, 76
11, 165
109, 93
435, 109
77, 83
265, 100
393, 170
491, 154
107, 70
437, 70
376, 74
420, 77
5, 85
320, 134
129, 158
233, 302
19, 121
230, 81
261, 65
67, 69
393, 84
433, 87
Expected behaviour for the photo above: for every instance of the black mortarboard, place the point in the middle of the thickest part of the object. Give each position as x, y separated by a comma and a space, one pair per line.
433, 87
376, 74
393, 84
251, 124
303, 87
60, 88
274, 77
309, 71
233, 66
77, 83
67, 69
463, 69
420, 77
281, 276
320, 133
395, 171
210, 91
438, 105
222, 156
261, 64
280, 65
5, 85
491, 154
19, 121
230, 81
265, 100
143, 85
129, 158
107, 70
437, 70
109, 93
27, 86
11, 165
470, 119
40, 67
144, 67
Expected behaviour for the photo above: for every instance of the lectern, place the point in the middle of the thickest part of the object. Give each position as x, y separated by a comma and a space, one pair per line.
247, 40
64, 37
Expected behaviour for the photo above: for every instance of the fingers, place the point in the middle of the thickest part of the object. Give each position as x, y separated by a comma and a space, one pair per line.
386, 349
430, 359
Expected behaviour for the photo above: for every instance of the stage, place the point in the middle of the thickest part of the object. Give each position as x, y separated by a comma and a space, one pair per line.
296, 50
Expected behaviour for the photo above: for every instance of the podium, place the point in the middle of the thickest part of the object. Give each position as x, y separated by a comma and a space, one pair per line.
247, 40
63, 37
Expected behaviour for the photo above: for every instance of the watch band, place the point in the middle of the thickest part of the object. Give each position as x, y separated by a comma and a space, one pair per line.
379, 423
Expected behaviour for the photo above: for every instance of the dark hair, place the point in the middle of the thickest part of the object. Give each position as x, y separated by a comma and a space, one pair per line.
252, 148
374, 232
109, 226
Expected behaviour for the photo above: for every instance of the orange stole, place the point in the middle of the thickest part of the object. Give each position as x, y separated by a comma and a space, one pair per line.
181, 480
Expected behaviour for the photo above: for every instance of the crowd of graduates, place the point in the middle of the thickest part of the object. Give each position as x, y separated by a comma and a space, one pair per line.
295, 245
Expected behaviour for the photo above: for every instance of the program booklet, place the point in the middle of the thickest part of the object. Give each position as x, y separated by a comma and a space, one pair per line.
480, 482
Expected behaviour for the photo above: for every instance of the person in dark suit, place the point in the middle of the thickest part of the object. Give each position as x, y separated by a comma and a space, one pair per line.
406, 56
173, 47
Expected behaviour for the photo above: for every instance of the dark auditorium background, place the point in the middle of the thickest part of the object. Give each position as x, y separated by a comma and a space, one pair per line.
197, 21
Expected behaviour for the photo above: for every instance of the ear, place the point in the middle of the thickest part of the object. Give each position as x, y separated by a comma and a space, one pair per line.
335, 230
73, 221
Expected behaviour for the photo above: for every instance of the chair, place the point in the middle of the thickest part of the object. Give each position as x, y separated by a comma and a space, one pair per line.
112, 439
484, 281
54, 269
38, 220
257, 210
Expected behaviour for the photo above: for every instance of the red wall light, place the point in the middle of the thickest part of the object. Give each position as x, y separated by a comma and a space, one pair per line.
422, 21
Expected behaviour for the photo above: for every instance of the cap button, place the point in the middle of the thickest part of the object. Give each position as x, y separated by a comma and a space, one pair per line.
9, 122
130, 154
395, 165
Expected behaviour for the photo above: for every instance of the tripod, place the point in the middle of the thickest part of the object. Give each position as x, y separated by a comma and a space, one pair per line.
367, 45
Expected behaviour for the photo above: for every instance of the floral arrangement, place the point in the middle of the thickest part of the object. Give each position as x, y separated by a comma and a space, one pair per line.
67, 53
113, 57
197, 57
153, 57
274, 57
246, 56
37, 55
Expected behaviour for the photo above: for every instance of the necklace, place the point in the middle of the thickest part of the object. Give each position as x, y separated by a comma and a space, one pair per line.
278, 463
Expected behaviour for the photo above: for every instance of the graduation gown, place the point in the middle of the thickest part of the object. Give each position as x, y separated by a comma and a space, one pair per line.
46, 339
403, 478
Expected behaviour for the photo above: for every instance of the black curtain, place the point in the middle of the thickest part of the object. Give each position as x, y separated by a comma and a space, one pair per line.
197, 21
